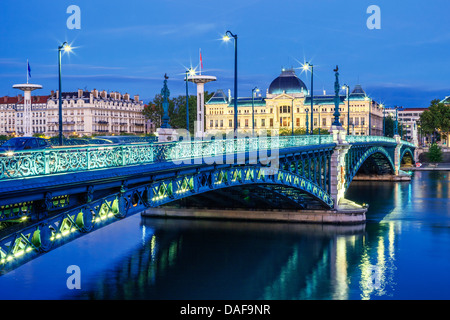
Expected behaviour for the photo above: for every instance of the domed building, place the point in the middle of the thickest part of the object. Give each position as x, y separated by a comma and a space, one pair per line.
287, 108
287, 82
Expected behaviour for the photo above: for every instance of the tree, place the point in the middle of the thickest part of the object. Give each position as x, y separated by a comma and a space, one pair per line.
436, 119
389, 124
435, 153
177, 110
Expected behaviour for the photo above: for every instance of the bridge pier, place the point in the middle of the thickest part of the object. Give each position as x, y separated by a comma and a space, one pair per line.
349, 214
397, 160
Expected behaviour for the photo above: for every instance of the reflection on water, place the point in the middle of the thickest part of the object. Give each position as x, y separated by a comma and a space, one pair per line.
234, 260
400, 253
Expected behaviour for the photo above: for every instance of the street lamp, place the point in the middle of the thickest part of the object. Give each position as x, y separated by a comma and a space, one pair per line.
253, 109
190, 72
227, 37
306, 67
66, 48
346, 87
396, 122
307, 131
384, 120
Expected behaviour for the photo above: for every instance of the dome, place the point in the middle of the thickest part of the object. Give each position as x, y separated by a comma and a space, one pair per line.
287, 82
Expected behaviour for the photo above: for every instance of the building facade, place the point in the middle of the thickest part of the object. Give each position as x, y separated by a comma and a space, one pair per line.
12, 115
84, 113
286, 107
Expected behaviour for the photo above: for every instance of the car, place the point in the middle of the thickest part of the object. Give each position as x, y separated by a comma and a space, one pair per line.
24, 144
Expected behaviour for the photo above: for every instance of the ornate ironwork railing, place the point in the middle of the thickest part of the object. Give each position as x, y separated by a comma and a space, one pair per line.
75, 159
354, 139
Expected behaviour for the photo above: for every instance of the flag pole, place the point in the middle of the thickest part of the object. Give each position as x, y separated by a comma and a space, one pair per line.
201, 62
27, 71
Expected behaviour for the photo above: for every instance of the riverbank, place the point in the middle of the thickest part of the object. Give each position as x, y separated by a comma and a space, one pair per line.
444, 166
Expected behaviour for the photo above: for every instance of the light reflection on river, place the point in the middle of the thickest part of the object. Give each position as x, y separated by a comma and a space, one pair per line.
400, 253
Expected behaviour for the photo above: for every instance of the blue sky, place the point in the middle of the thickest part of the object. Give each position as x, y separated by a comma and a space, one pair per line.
128, 46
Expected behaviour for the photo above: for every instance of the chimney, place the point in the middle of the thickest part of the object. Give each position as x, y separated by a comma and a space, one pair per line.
229, 95
95, 93
80, 93
126, 96
103, 94
136, 98
57, 94
324, 92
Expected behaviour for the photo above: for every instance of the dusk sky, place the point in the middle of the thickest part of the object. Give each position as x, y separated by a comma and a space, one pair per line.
128, 46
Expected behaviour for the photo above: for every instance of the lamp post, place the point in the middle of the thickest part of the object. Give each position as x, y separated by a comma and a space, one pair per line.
384, 120
66, 47
370, 119
226, 37
190, 72
396, 122
253, 109
292, 117
307, 131
306, 67
348, 107
187, 102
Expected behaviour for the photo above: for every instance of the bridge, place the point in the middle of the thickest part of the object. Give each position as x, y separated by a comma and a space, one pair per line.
50, 197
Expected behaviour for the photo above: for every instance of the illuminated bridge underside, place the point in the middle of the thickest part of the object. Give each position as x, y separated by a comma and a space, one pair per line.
63, 207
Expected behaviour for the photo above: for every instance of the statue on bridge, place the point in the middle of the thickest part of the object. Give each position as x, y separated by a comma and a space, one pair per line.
337, 99
165, 93
166, 133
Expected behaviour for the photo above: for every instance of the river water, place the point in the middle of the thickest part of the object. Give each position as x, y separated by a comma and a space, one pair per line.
402, 252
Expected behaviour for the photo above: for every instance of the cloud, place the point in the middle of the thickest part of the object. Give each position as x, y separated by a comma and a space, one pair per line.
181, 30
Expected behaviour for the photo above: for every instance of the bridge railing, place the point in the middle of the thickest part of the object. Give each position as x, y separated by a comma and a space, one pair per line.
355, 139
76, 159
213, 148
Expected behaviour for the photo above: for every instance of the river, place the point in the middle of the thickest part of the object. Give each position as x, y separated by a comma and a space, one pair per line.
401, 252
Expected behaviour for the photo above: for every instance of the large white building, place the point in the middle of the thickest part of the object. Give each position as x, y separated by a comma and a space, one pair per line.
84, 113
286, 106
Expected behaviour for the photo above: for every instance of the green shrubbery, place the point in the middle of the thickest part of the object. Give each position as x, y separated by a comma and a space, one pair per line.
435, 153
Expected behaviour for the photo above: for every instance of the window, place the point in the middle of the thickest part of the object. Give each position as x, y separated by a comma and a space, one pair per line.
324, 121
263, 122
297, 121
230, 123
271, 123
246, 123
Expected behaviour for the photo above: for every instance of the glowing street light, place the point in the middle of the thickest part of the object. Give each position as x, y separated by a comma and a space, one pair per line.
227, 37
306, 67
253, 109
190, 72
66, 48
346, 87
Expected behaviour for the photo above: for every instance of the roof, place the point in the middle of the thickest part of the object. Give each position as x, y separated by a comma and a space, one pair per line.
358, 93
287, 82
446, 100
323, 99
218, 97
19, 99
247, 102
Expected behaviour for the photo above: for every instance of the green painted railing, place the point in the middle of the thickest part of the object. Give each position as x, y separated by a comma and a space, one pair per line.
23, 164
